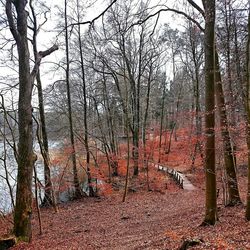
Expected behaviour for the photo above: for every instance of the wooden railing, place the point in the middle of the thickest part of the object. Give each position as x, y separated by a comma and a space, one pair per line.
173, 173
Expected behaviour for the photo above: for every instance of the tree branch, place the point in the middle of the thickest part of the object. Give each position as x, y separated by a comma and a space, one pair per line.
140, 22
48, 51
13, 28
156, 22
40, 55
197, 7
97, 17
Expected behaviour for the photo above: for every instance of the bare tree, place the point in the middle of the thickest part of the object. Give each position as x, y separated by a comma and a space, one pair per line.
77, 192
85, 104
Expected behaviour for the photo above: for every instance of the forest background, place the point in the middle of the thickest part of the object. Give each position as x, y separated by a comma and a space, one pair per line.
121, 91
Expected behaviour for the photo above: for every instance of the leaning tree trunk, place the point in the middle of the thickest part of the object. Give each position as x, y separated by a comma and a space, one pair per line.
211, 204
49, 198
233, 191
248, 117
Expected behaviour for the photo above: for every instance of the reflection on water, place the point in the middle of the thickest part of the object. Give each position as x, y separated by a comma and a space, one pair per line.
8, 168
7, 162
65, 194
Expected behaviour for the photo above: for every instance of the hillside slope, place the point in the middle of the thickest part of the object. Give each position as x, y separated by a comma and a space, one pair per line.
148, 220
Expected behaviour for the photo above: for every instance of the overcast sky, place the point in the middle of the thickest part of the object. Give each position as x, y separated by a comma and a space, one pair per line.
47, 36
93, 10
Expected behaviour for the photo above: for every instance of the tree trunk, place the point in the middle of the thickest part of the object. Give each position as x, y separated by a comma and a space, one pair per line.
238, 68
103, 139
78, 192
49, 198
228, 25
234, 196
86, 138
211, 204
135, 93
128, 148
110, 122
144, 125
248, 117
26, 157
161, 121
196, 80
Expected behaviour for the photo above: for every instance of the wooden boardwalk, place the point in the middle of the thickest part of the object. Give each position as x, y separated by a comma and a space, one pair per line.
180, 178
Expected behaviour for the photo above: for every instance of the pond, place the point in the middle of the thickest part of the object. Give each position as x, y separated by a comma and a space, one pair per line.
10, 166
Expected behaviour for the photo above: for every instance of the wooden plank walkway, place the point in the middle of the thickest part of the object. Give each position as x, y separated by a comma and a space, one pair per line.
180, 178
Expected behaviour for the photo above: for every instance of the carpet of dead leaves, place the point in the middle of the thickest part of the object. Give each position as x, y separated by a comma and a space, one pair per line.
159, 219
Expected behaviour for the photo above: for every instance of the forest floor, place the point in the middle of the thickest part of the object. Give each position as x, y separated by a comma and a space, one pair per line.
159, 219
